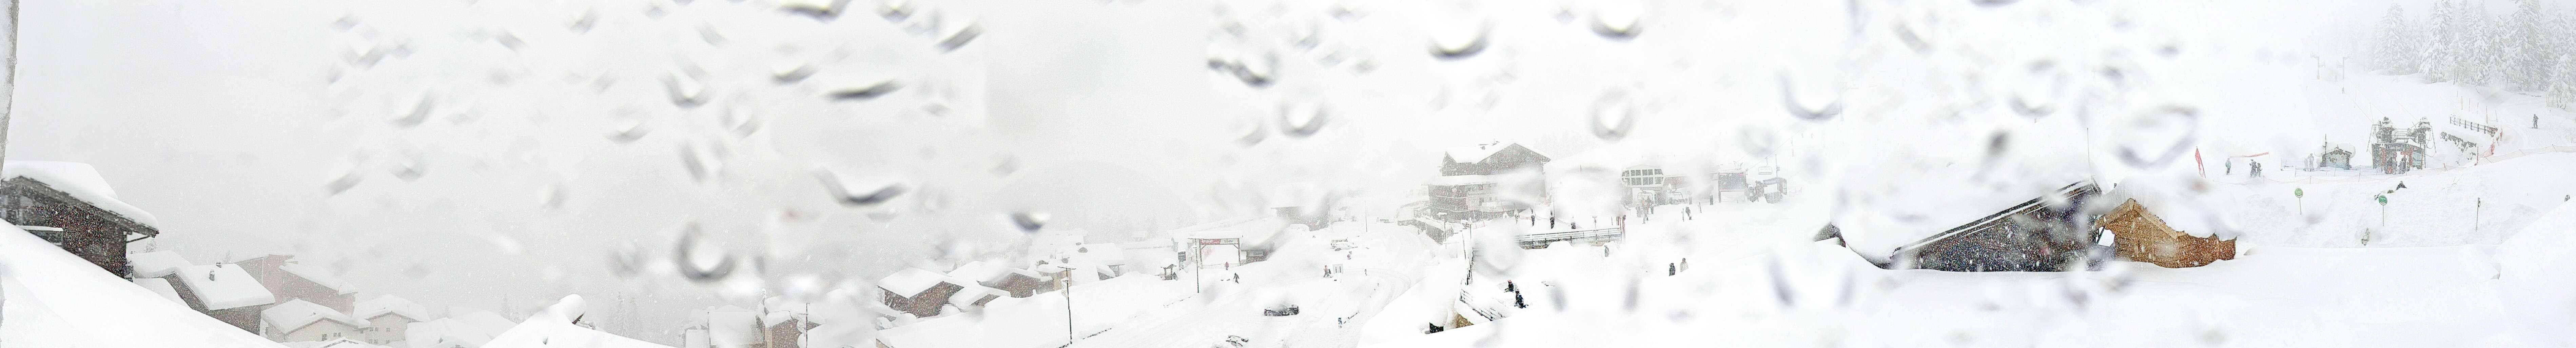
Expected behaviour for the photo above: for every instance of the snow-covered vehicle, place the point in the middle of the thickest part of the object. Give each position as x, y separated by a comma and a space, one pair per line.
1280, 312
1757, 184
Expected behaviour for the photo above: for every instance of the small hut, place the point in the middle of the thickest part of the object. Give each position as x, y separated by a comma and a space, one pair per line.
2141, 236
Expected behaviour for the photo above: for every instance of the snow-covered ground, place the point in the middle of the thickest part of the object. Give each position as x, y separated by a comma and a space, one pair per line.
55, 299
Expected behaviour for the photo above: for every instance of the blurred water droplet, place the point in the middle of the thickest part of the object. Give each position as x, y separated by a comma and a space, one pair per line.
1302, 118
960, 37
820, 10
346, 181
1613, 115
1617, 22
700, 165
419, 112
2157, 136
858, 193
791, 73
1459, 43
741, 124
552, 197
869, 92
410, 169
695, 264
1253, 71
685, 91
1789, 101
709, 34
583, 22
1253, 130
894, 10
509, 41
1994, 3
1913, 41
1029, 221
625, 262
628, 131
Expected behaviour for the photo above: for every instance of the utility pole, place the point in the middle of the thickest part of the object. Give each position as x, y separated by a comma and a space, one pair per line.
1068, 306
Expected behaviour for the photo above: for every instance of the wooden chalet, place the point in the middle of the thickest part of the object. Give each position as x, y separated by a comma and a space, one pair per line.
2138, 235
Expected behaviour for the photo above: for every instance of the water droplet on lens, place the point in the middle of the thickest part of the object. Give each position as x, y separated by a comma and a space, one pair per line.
1613, 115
695, 265
791, 73
1459, 43
959, 38
1617, 22
869, 92
628, 131
1789, 101
1299, 119
1029, 221
419, 112
685, 90
410, 169
820, 10
857, 193
345, 182
1255, 71
701, 165
2158, 136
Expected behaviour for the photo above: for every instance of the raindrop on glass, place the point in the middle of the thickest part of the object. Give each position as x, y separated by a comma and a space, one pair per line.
857, 193
1789, 101
1029, 221
2157, 136
790, 73
960, 37
1299, 119
869, 92
345, 182
700, 164
410, 169
626, 132
685, 90
1616, 22
1458, 43
695, 261
1613, 115
419, 112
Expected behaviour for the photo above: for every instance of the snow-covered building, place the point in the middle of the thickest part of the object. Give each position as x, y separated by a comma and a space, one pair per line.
2398, 150
1015, 281
299, 321
444, 333
289, 279
53, 298
70, 205
332, 343
1467, 187
388, 318
555, 327
917, 291
2139, 235
224, 291
2041, 234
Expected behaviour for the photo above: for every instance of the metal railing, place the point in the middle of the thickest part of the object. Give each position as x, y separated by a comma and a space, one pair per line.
1583, 236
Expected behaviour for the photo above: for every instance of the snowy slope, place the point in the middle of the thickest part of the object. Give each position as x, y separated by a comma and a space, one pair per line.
54, 299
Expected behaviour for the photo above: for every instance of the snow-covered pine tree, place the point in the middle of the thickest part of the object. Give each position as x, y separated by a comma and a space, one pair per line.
2562, 88
2529, 46
2477, 49
2438, 43
2398, 51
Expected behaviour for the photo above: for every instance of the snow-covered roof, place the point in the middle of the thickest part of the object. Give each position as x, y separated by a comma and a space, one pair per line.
161, 287
78, 180
911, 281
1455, 180
980, 271
733, 325
296, 313
489, 323
444, 333
319, 277
58, 300
343, 342
1478, 153
968, 295
388, 304
553, 327
224, 286
155, 264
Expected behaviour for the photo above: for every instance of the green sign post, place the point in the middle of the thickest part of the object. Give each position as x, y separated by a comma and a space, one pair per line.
2383, 210
2302, 195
